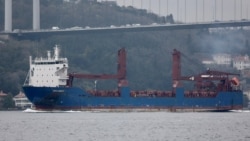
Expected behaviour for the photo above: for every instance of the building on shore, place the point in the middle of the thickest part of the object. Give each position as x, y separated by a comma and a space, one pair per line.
21, 101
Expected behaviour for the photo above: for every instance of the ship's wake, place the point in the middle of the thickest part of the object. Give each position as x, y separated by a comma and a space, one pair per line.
240, 111
29, 110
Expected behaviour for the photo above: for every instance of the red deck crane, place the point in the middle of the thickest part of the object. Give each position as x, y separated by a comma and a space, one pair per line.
203, 80
120, 76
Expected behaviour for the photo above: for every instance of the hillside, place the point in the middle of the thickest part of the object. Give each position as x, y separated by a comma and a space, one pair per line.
149, 53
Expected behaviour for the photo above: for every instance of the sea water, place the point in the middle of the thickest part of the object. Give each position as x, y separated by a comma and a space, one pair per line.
124, 126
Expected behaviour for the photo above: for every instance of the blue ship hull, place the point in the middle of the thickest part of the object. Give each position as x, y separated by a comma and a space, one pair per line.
69, 98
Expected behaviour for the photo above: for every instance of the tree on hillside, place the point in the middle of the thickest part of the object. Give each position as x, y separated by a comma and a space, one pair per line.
8, 102
170, 19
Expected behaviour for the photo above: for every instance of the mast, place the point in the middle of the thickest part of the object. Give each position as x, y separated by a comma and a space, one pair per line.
56, 52
176, 68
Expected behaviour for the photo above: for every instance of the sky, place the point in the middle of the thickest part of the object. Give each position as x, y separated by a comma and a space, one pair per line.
194, 10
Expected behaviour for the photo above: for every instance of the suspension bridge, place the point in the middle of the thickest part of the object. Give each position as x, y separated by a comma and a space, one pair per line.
193, 14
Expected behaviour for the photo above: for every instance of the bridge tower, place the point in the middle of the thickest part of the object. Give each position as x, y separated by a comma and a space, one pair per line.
36, 14
8, 16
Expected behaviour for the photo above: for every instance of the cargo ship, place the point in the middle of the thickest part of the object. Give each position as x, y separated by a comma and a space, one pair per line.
49, 86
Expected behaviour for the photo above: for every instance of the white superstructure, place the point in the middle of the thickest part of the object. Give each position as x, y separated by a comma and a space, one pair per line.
48, 72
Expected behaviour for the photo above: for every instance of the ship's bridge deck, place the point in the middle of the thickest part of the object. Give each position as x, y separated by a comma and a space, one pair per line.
40, 61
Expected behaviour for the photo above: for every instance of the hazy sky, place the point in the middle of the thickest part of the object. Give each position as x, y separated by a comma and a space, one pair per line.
185, 10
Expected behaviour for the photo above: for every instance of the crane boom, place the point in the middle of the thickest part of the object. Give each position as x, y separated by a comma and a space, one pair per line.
203, 80
121, 72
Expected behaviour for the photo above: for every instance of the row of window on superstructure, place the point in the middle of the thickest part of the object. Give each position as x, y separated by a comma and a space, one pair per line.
46, 74
44, 81
40, 69
50, 63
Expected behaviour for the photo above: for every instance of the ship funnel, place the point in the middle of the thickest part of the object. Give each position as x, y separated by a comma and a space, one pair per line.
56, 52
